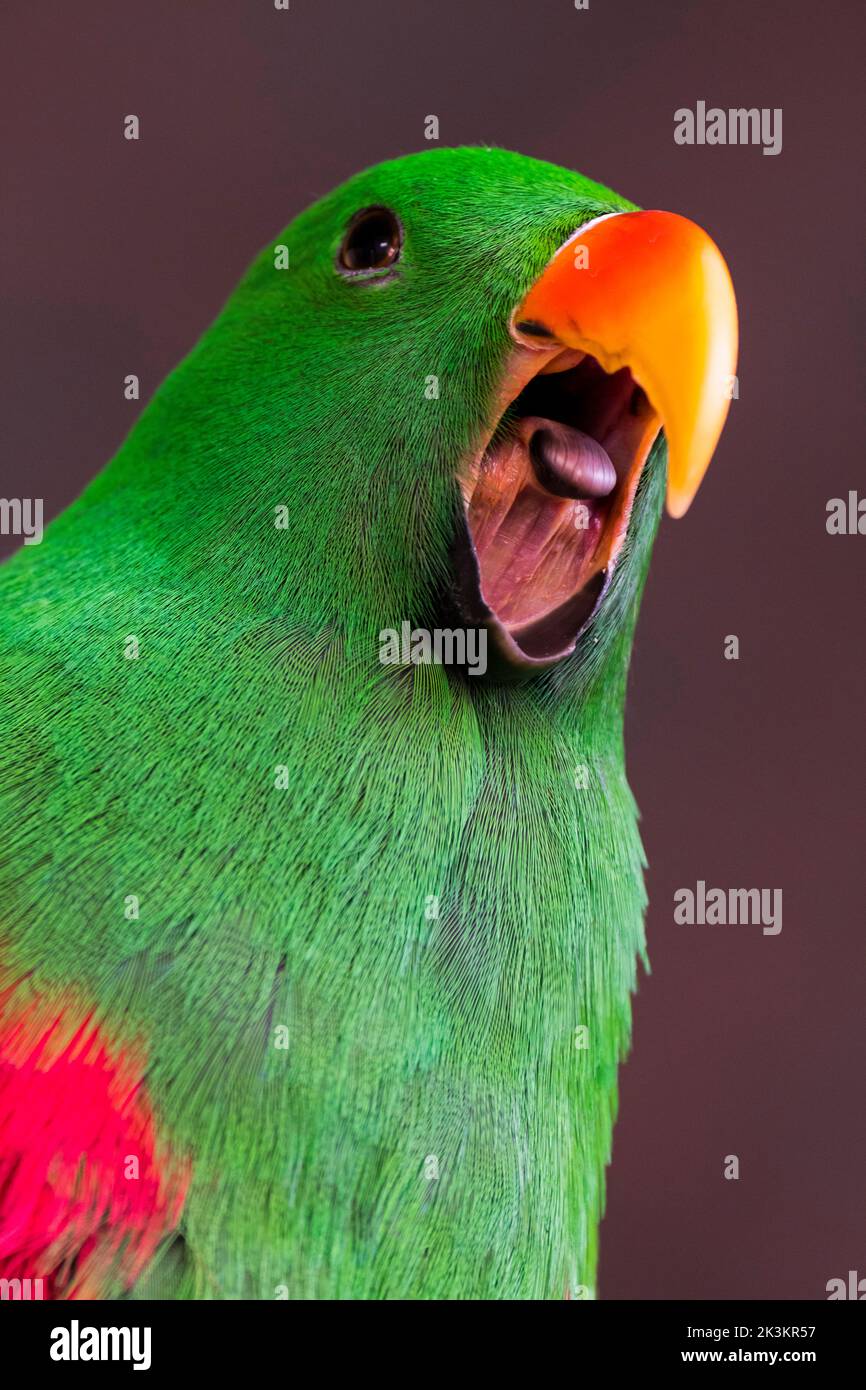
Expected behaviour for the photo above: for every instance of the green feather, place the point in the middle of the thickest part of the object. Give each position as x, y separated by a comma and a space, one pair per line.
430, 908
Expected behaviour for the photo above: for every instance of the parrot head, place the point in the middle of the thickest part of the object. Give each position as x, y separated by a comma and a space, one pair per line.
448, 381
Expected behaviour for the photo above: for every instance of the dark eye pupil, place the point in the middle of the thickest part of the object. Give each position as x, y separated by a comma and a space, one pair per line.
372, 241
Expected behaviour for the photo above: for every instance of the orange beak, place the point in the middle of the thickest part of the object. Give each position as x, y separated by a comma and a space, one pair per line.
649, 291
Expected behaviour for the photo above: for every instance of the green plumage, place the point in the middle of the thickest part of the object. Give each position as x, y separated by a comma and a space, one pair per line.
384, 962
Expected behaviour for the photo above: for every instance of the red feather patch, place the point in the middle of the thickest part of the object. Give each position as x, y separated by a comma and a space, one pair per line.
85, 1196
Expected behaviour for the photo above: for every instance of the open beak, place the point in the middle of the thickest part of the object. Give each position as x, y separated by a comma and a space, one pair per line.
631, 328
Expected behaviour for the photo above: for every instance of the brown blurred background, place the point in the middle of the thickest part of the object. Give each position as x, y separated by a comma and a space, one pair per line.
116, 255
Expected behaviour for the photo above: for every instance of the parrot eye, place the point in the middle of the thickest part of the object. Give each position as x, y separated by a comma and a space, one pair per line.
372, 242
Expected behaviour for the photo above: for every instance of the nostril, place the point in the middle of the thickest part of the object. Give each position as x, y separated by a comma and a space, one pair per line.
568, 462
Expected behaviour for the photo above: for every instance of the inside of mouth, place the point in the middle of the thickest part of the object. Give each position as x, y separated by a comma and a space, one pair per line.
548, 507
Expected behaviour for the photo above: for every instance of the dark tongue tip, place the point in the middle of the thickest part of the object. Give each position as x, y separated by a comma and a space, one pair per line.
570, 463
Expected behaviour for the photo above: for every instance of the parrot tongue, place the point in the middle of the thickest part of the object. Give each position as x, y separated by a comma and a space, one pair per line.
548, 505
536, 517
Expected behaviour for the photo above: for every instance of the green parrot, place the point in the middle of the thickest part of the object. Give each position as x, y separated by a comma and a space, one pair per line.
320, 878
